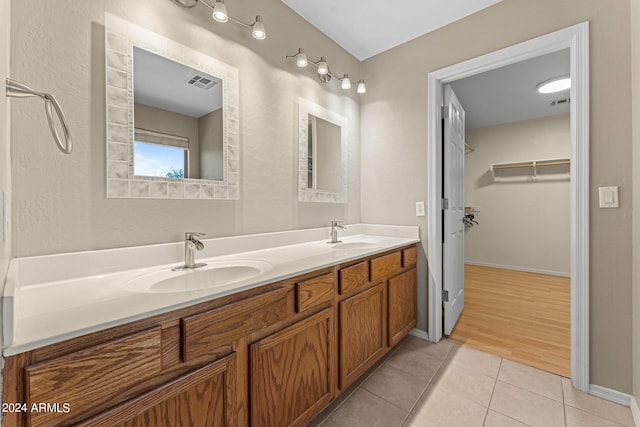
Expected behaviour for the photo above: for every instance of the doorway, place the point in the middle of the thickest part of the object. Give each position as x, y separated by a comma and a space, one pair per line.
576, 40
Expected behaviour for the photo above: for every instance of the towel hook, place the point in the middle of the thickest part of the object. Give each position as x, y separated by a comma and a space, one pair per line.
16, 89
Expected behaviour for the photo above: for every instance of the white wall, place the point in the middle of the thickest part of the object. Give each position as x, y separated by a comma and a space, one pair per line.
524, 222
635, 103
60, 203
5, 161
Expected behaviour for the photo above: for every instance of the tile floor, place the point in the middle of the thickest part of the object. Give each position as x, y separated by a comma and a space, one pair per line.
448, 385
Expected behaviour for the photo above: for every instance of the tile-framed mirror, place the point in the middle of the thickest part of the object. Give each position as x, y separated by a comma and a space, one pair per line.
172, 118
322, 154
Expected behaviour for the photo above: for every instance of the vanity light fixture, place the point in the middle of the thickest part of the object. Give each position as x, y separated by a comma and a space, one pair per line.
219, 14
324, 72
554, 85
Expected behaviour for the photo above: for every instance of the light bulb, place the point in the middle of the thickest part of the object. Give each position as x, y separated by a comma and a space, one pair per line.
555, 85
346, 83
301, 58
323, 68
361, 87
220, 11
258, 30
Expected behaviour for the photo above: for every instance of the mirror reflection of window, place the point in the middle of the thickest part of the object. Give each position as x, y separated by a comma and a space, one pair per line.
325, 155
183, 104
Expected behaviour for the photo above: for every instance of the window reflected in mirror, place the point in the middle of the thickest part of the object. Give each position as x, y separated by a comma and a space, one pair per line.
178, 120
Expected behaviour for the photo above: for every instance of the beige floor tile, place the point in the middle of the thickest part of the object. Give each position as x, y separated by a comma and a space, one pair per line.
578, 418
486, 363
418, 360
364, 409
437, 350
532, 379
329, 423
438, 408
465, 382
495, 419
526, 407
595, 405
395, 386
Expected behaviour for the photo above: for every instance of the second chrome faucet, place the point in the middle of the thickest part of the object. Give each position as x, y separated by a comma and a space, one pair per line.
191, 245
334, 231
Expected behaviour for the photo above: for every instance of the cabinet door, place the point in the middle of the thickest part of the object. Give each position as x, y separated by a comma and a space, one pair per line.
202, 398
402, 309
291, 373
362, 331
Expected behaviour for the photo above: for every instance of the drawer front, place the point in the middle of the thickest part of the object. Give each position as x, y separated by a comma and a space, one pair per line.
409, 256
314, 292
385, 265
354, 277
89, 377
216, 329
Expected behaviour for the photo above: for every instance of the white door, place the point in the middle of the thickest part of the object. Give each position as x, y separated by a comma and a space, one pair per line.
453, 210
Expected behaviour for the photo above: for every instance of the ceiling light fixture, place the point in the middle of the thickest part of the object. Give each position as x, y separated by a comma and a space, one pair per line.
557, 84
219, 14
324, 72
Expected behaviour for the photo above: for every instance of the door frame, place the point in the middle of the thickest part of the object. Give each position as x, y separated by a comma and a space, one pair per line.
576, 38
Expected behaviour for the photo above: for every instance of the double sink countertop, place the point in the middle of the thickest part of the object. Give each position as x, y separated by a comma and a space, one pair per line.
49, 299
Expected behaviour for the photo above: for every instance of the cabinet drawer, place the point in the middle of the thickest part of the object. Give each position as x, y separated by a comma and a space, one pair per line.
206, 332
314, 292
354, 277
409, 256
89, 377
385, 265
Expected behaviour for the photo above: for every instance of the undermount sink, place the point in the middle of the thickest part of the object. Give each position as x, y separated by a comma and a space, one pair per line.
214, 274
357, 245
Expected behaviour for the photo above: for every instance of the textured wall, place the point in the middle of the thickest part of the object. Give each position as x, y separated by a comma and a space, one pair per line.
524, 223
60, 202
394, 147
635, 55
5, 162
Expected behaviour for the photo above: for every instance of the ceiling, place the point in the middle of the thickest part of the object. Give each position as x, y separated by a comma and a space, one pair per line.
509, 94
162, 83
366, 28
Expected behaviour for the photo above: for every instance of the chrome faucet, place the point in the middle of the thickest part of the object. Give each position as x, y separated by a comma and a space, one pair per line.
334, 231
191, 245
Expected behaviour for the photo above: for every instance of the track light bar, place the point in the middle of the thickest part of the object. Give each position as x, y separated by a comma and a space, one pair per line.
219, 14
324, 72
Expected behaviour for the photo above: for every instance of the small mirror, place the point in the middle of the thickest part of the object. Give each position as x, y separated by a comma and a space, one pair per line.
178, 119
173, 127
323, 154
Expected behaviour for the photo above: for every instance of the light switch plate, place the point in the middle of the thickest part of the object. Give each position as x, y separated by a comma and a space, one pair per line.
608, 197
420, 208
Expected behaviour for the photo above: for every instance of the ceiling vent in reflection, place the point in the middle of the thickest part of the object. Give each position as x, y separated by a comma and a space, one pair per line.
560, 102
201, 81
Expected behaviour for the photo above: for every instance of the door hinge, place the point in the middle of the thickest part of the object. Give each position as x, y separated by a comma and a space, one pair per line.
445, 111
445, 204
445, 296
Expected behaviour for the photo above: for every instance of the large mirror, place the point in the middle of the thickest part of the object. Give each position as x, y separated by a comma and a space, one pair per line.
172, 118
323, 154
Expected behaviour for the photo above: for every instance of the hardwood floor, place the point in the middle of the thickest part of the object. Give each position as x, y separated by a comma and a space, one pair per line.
520, 316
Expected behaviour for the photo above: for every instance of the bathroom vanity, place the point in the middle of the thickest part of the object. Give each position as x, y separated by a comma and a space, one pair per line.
269, 355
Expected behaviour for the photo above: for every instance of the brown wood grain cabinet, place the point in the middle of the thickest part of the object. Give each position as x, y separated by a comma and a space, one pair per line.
270, 356
291, 375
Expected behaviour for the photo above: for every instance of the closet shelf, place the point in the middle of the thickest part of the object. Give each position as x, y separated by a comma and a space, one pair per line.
534, 164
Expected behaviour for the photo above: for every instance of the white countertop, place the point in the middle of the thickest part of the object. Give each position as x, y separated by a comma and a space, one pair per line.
54, 298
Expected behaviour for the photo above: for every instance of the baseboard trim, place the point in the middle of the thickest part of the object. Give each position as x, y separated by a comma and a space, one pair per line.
525, 269
419, 333
609, 394
635, 411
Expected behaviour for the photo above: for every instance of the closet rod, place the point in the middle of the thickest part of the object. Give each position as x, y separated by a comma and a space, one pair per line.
16, 89
532, 164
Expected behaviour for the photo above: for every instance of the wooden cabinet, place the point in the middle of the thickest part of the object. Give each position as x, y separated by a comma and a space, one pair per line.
291, 373
362, 331
202, 398
270, 356
401, 305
